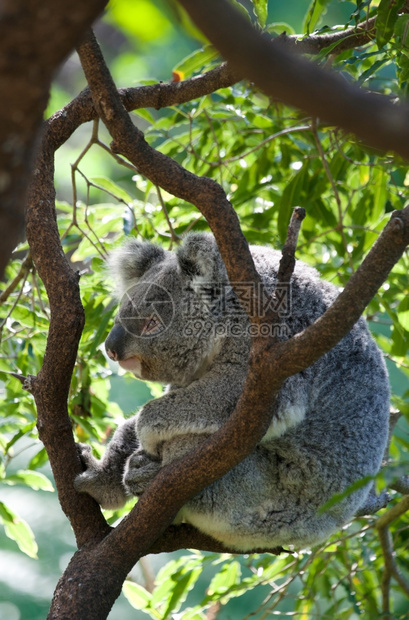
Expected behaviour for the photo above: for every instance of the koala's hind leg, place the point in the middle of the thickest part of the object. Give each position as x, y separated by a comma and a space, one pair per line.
103, 479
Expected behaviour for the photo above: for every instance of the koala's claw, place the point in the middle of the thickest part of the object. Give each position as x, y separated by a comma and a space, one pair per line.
101, 483
140, 469
87, 459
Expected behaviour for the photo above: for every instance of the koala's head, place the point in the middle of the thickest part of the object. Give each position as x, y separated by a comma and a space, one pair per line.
164, 329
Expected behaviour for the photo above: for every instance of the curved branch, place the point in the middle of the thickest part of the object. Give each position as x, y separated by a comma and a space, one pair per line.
298, 82
50, 388
61, 125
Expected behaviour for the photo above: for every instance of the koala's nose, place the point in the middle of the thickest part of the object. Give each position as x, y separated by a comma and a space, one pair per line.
115, 343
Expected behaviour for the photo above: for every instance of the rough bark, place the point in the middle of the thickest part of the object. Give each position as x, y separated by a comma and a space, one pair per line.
35, 35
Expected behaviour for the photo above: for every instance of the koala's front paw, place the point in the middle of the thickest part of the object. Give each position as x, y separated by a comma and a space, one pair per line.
87, 459
140, 469
99, 482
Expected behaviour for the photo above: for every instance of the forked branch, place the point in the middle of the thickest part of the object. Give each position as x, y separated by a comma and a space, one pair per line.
95, 575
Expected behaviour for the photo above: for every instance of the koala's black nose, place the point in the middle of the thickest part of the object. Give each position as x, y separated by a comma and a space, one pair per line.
115, 343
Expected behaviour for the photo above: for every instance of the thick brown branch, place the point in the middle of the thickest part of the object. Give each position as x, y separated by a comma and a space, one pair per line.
50, 388
203, 192
63, 123
186, 536
300, 83
35, 35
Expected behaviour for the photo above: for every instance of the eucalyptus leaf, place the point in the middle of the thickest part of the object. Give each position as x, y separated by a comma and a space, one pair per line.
18, 530
33, 479
386, 18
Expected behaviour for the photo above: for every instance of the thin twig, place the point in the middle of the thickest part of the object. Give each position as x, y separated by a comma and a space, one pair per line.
174, 236
340, 227
287, 262
25, 267
15, 303
391, 569
274, 136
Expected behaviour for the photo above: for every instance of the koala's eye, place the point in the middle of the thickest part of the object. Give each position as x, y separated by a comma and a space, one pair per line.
152, 325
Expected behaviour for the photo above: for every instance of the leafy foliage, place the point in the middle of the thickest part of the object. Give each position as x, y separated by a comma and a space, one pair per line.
269, 159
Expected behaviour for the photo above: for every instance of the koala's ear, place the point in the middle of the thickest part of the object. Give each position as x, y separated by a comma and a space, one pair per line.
128, 263
198, 256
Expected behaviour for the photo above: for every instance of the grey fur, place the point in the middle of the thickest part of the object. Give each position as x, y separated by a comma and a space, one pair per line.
329, 425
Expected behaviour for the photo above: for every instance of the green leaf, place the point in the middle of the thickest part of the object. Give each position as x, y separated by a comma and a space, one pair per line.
401, 30
261, 10
143, 113
403, 68
315, 11
175, 581
17, 529
226, 578
140, 19
33, 479
38, 459
241, 9
140, 598
99, 335
197, 60
23, 431
372, 69
338, 497
403, 313
193, 614
385, 20
280, 28
380, 194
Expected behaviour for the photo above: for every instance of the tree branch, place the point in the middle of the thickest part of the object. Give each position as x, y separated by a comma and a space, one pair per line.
300, 83
270, 363
349, 38
287, 262
36, 35
50, 388
391, 568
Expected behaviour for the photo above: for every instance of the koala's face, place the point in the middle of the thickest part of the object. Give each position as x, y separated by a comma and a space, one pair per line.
152, 336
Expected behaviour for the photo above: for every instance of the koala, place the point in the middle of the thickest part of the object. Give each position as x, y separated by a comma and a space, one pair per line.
181, 323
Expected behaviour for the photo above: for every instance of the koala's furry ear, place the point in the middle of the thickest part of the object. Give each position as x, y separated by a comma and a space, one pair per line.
128, 263
198, 256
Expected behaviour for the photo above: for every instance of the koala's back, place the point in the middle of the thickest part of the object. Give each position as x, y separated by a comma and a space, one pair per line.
329, 429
